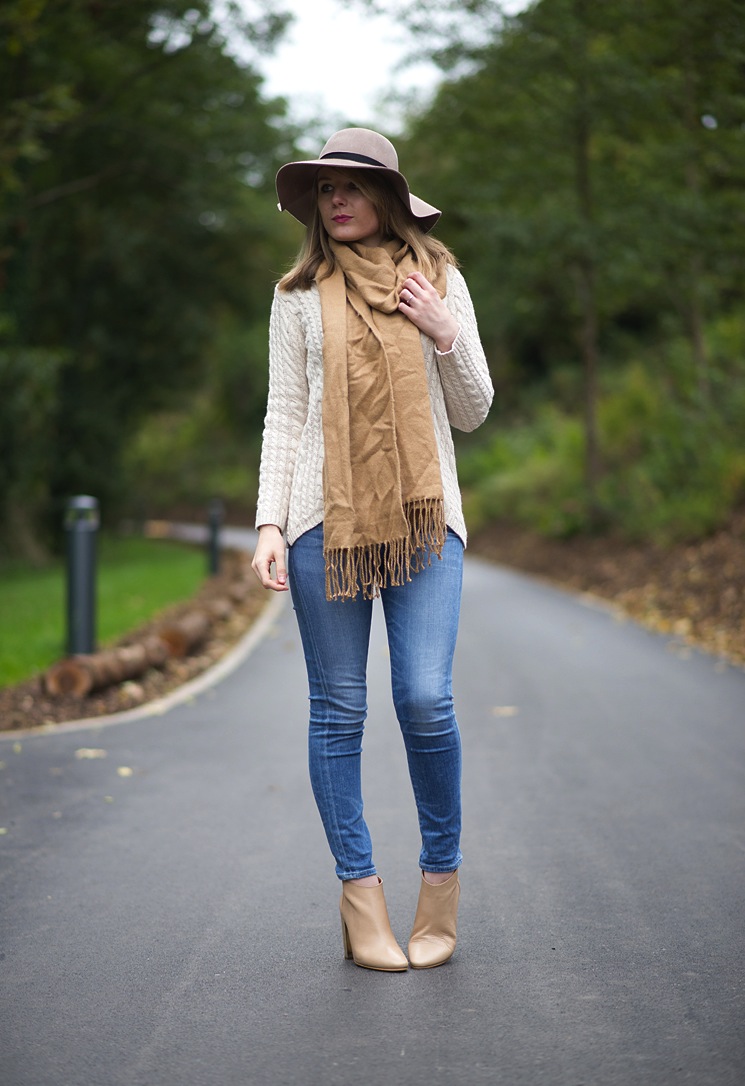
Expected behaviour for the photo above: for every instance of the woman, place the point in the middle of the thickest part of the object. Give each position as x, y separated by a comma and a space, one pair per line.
374, 352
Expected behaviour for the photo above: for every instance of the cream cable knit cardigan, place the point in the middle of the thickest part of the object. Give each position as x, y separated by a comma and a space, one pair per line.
291, 474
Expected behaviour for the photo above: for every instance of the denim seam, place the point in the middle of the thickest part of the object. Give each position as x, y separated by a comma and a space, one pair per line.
338, 835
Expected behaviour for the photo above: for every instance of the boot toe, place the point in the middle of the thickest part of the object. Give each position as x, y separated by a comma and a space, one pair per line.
388, 960
429, 952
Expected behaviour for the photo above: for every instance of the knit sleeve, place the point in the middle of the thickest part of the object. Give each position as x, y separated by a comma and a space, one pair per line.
287, 409
464, 373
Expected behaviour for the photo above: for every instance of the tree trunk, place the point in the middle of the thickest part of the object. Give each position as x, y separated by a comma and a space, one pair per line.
589, 347
586, 271
694, 307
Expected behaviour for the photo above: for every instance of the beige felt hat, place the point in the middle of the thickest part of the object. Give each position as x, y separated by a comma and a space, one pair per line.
358, 148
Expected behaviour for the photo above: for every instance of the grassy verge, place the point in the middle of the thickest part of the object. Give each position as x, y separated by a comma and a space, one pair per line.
136, 579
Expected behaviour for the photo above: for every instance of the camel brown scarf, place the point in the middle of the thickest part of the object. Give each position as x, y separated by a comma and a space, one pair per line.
383, 497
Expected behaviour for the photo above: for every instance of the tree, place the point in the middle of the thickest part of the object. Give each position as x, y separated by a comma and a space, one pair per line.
535, 122
135, 173
693, 144
589, 161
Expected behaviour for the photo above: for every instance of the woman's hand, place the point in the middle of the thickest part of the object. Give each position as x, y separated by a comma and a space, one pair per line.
270, 551
424, 307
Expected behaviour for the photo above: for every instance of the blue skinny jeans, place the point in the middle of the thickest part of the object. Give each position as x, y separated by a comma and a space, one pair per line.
421, 619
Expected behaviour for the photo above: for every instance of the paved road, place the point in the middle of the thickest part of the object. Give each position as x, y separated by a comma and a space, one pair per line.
178, 926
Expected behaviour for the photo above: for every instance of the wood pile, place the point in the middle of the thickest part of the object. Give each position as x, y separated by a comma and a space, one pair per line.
175, 638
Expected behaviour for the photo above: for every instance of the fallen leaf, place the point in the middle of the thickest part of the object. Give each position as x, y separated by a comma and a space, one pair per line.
504, 710
125, 771
90, 752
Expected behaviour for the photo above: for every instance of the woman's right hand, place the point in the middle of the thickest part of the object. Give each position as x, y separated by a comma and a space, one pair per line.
270, 551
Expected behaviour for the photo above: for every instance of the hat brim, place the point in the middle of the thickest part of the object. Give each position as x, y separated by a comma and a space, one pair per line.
295, 183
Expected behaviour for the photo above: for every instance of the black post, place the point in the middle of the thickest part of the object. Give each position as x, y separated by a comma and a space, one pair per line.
81, 525
215, 515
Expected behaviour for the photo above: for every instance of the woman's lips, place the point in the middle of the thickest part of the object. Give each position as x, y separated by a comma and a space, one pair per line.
342, 218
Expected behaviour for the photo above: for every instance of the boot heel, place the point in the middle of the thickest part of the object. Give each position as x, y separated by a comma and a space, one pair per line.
347, 944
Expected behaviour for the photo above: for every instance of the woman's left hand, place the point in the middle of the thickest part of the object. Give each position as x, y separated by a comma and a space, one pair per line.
420, 302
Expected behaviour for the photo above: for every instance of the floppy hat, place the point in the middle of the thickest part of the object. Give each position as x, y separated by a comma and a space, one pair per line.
358, 148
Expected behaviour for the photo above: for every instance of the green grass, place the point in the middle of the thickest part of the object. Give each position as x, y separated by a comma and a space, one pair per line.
137, 578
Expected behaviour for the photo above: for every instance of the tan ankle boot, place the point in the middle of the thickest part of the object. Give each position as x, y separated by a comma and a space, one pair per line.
433, 936
366, 930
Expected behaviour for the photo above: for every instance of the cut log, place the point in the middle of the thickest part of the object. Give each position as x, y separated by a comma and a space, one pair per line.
183, 635
79, 675
157, 650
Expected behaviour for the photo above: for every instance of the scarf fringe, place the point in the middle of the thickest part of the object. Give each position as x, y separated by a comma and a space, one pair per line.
368, 568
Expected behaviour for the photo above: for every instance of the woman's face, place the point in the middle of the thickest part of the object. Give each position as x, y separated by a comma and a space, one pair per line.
346, 213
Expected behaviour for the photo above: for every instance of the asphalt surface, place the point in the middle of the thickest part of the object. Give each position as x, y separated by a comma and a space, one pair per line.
169, 910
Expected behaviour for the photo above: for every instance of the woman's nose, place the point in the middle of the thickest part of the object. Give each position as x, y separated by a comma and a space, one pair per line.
337, 197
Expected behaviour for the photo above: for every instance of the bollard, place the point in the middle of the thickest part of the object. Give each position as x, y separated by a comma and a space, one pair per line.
81, 525
215, 515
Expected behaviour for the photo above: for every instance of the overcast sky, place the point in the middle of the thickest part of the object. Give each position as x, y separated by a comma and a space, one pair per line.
341, 63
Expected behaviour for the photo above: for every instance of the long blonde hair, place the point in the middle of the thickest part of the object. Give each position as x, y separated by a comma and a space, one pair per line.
395, 221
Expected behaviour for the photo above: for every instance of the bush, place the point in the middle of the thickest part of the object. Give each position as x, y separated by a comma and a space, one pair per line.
671, 442
675, 466
531, 474
182, 459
